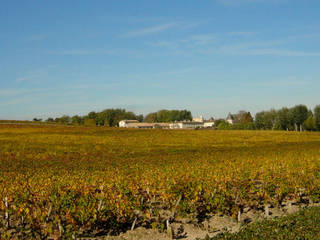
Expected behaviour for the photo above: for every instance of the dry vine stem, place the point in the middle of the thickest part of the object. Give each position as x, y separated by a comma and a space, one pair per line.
60, 229
101, 202
133, 224
7, 213
239, 216
49, 213
266, 210
169, 230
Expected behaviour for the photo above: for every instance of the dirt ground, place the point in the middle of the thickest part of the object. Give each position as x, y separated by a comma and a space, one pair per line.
189, 230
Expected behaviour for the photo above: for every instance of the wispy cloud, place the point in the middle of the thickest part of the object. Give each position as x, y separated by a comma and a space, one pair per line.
151, 30
21, 79
36, 37
280, 52
187, 42
202, 39
242, 34
238, 2
208, 44
14, 92
264, 48
311, 35
244, 2
163, 43
289, 81
36, 75
10, 92
80, 52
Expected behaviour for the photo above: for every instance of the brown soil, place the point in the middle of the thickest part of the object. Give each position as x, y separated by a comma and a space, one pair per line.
189, 230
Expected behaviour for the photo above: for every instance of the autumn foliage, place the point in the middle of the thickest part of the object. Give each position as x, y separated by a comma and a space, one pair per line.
68, 181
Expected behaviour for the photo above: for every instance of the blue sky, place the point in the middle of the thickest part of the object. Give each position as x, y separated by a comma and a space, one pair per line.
211, 57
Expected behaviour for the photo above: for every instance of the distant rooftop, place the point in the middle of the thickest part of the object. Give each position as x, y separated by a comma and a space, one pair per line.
130, 121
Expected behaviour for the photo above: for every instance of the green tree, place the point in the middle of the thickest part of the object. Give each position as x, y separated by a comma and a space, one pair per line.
65, 119
169, 116
100, 118
76, 120
163, 116
151, 117
244, 117
266, 120
284, 120
317, 116
107, 117
92, 115
140, 118
111, 117
299, 114
218, 121
310, 123
224, 126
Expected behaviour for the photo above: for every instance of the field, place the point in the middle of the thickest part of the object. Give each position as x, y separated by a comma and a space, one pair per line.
68, 181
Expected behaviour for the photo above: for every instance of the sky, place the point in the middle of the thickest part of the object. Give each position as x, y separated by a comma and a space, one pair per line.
211, 57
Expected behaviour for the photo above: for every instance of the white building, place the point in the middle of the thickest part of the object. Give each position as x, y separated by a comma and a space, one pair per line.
186, 125
208, 124
140, 125
125, 123
194, 124
200, 119
137, 124
230, 118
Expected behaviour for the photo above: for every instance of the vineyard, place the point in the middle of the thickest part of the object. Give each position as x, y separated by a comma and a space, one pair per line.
70, 181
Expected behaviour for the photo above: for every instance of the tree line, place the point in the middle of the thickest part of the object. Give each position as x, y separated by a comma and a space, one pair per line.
112, 117
241, 121
297, 118
168, 116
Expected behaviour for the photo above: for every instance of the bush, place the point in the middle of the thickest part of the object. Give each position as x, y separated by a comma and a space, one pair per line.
236, 126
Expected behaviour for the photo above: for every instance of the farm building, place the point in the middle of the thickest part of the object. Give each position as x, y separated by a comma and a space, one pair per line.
162, 125
230, 118
200, 119
140, 125
186, 125
196, 123
137, 124
126, 123
208, 124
